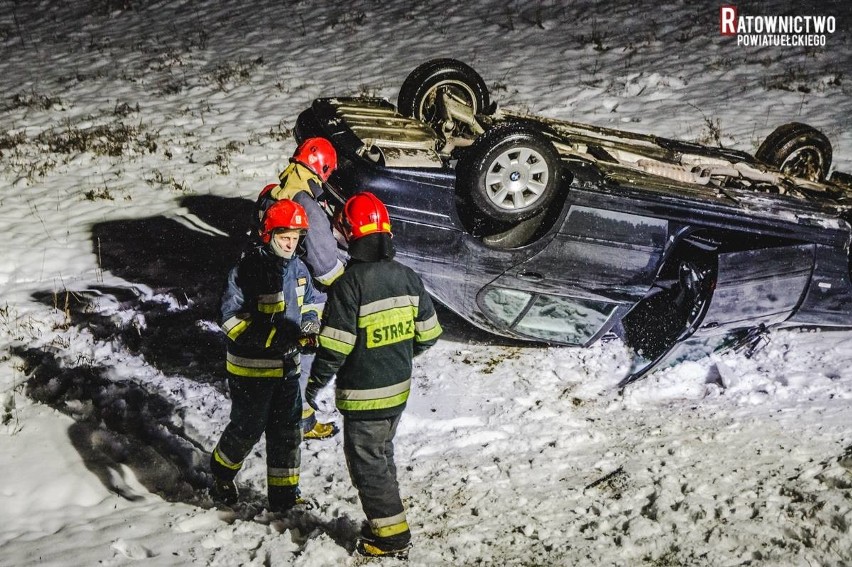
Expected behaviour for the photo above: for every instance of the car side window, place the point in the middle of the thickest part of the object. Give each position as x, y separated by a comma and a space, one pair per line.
504, 305
565, 320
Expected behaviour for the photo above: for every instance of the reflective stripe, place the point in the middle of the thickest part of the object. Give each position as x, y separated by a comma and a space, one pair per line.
225, 461
335, 345
375, 404
282, 477
389, 326
236, 325
337, 340
271, 336
387, 316
271, 302
312, 308
389, 303
428, 329
372, 227
338, 335
366, 405
374, 393
422, 326
254, 367
388, 321
386, 527
331, 275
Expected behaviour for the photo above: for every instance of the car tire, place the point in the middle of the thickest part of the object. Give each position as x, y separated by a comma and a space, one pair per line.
510, 173
418, 95
797, 150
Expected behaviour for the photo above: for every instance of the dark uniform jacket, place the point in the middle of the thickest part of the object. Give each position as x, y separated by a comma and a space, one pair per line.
265, 302
377, 318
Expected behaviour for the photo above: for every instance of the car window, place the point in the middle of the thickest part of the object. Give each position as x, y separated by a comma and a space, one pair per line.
566, 320
504, 305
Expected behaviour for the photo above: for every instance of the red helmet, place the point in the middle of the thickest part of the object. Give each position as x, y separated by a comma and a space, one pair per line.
361, 215
284, 214
318, 155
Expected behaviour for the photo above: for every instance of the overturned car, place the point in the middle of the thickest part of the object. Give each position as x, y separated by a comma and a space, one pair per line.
562, 233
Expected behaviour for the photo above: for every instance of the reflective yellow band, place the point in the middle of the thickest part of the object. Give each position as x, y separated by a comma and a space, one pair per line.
254, 372
393, 314
307, 412
337, 340
236, 325
389, 303
271, 303
372, 227
312, 308
254, 367
429, 323
429, 334
282, 477
374, 393
386, 527
331, 275
270, 337
338, 335
366, 405
389, 326
225, 461
335, 345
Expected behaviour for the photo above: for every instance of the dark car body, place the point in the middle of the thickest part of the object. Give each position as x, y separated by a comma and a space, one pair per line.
662, 260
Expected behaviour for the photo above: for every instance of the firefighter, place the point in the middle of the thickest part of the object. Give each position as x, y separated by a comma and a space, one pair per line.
314, 160
267, 312
377, 318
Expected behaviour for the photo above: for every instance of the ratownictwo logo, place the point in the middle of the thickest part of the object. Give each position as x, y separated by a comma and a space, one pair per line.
805, 30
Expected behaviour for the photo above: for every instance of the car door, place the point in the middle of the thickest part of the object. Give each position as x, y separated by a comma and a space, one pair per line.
748, 289
599, 264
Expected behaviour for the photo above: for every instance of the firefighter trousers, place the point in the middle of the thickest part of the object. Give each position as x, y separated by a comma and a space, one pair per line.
270, 406
368, 448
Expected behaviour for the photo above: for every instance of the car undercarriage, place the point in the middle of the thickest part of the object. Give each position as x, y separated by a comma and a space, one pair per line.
561, 233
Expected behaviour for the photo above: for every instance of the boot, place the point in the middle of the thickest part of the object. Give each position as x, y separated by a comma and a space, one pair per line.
383, 547
322, 431
282, 500
224, 492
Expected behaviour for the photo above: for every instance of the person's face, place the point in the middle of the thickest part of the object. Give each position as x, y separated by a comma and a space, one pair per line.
287, 240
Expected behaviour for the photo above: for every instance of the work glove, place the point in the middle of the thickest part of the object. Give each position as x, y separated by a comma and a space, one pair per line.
308, 337
311, 392
308, 344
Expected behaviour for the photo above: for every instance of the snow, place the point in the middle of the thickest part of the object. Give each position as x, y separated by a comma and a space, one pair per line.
115, 246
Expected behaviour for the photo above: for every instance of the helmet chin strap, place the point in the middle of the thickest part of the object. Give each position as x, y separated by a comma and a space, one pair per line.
280, 252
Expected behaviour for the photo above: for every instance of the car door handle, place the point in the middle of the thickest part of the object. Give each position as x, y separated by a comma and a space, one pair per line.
531, 276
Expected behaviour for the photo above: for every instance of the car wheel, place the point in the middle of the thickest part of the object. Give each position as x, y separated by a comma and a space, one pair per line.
433, 88
798, 150
510, 173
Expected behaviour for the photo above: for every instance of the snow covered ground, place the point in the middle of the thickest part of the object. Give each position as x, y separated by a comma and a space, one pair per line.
133, 134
